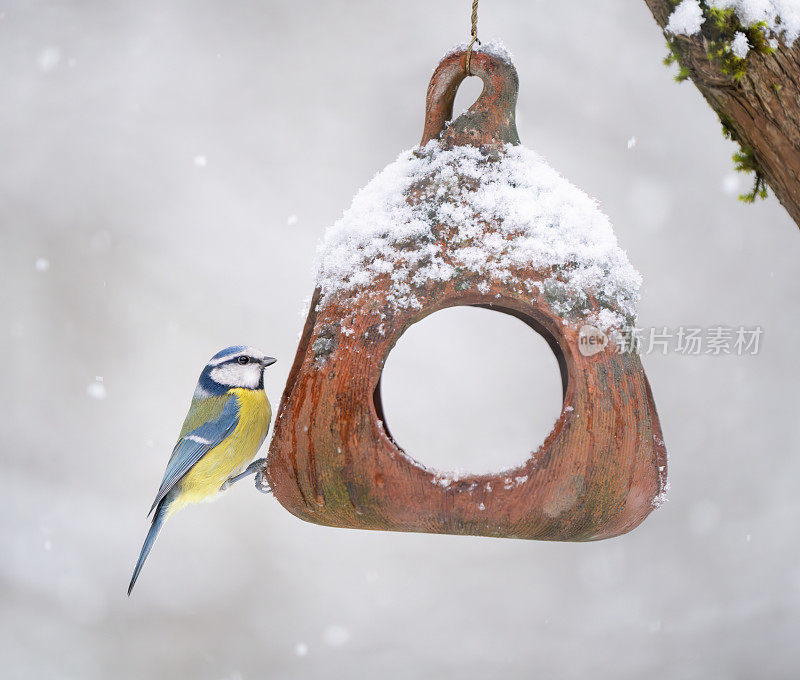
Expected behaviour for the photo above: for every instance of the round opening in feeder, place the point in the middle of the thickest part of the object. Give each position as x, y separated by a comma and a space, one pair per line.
467, 389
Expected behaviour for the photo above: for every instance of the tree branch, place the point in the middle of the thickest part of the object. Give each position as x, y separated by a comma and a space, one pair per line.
760, 109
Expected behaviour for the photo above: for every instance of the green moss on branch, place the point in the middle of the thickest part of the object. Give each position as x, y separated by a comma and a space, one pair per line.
719, 30
744, 160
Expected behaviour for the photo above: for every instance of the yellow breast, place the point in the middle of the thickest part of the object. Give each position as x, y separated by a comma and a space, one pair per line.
233, 455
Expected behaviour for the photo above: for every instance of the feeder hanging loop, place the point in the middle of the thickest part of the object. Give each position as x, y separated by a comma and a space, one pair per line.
473, 35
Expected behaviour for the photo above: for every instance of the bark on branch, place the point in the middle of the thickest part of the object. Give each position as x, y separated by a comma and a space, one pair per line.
762, 108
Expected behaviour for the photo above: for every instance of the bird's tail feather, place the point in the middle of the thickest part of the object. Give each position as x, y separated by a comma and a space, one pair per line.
158, 521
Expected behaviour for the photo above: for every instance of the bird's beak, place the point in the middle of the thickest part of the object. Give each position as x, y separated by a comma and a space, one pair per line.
267, 361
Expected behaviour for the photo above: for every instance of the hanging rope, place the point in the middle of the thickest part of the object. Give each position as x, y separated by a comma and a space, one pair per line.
473, 33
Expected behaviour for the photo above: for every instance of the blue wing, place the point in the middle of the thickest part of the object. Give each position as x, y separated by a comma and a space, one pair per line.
195, 444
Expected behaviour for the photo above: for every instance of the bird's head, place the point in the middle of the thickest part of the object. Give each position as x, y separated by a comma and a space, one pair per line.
237, 366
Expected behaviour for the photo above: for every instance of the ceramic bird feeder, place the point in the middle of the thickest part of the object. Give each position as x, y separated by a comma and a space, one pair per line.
470, 217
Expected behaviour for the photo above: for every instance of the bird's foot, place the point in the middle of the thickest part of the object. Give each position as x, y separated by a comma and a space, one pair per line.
255, 467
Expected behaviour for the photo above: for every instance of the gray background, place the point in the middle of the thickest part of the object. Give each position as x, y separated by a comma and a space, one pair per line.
156, 262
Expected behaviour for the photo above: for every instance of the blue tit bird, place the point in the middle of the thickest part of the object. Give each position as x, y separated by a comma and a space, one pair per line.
227, 422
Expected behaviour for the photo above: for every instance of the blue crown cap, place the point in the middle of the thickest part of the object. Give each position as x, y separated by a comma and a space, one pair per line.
234, 349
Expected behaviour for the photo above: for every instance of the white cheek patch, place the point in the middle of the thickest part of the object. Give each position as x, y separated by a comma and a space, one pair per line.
236, 375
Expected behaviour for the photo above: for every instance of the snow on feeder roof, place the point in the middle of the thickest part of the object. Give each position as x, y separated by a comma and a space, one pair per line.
502, 213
